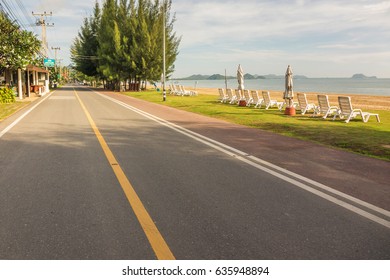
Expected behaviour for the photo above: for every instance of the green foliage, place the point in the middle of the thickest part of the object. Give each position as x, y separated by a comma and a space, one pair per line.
85, 46
18, 48
127, 40
7, 95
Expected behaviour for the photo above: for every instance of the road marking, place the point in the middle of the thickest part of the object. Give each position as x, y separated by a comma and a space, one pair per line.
62, 97
344, 200
155, 238
15, 122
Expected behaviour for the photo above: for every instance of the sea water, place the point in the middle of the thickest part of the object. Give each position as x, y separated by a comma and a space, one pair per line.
318, 85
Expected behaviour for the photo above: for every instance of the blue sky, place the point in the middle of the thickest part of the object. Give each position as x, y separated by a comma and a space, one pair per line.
328, 38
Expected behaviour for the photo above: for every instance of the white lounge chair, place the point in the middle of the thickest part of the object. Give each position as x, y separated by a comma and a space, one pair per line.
247, 97
304, 105
256, 100
185, 92
172, 89
346, 111
176, 90
269, 103
222, 95
238, 95
230, 95
324, 107
191, 92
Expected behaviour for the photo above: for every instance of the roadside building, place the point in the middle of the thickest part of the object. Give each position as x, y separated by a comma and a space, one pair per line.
37, 80
26, 81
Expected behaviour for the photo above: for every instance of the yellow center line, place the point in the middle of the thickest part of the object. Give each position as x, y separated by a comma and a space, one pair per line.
155, 238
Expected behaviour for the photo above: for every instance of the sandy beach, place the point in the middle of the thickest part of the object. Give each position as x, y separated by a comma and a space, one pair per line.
366, 102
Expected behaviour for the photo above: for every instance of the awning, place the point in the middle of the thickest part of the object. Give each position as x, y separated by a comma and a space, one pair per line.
36, 68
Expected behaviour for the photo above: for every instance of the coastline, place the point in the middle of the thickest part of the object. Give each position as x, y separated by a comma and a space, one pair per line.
359, 101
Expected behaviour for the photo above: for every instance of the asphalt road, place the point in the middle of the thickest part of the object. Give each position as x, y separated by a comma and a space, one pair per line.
63, 197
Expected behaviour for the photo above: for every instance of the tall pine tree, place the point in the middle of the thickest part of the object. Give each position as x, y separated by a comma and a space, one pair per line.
84, 51
128, 41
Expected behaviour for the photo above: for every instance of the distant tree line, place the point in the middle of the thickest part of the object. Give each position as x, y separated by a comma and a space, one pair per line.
123, 41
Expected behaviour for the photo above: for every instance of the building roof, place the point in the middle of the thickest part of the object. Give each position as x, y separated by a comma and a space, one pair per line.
36, 68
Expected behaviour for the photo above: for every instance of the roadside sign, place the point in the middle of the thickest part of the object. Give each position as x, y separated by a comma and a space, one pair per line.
49, 62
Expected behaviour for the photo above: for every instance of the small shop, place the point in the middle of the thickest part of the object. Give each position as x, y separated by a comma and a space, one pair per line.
37, 80
25, 82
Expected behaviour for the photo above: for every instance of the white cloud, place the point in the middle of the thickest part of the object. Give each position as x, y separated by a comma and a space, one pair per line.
67, 16
273, 32
318, 38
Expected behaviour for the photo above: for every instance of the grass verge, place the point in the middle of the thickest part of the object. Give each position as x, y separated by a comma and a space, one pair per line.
370, 139
7, 110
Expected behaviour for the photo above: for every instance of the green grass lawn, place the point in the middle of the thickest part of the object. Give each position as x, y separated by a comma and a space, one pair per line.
8, 109
371, 139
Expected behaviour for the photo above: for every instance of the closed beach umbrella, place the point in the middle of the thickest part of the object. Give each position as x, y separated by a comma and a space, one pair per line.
240, 78
288, 92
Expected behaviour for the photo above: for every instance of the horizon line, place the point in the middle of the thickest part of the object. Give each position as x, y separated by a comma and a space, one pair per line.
282, 76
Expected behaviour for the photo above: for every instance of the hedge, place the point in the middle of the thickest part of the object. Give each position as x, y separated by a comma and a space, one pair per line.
7, 95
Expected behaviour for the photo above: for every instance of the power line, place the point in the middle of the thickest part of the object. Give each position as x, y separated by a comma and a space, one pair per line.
26, 15
9, 12
17, 14
86, 57
55, 51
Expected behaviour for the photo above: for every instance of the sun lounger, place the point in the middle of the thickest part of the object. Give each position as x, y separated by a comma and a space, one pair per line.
222, 95
172, 89
269, 103
346, 111
304, 105
256, 100
189, 92
183, 91
179, 90
230, 95
238, 95
247, 97
176, 90
324, 107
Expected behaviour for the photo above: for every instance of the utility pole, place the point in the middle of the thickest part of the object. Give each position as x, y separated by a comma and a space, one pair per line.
164, 73
55, 54
55, 59
59, 66
42, 22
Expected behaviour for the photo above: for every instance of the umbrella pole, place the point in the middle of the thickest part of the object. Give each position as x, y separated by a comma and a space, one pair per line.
225, 82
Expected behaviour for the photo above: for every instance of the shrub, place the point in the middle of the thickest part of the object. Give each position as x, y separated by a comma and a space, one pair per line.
7, 95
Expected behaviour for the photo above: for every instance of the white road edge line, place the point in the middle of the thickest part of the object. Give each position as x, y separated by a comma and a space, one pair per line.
244, 158
15, 122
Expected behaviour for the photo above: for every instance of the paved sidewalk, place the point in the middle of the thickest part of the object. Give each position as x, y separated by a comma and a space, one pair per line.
359, 176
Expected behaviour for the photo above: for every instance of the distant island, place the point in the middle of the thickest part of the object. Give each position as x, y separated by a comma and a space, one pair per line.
247, 76
199, 77
362, 76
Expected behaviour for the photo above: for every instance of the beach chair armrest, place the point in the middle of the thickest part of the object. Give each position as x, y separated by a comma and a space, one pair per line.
359, 111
